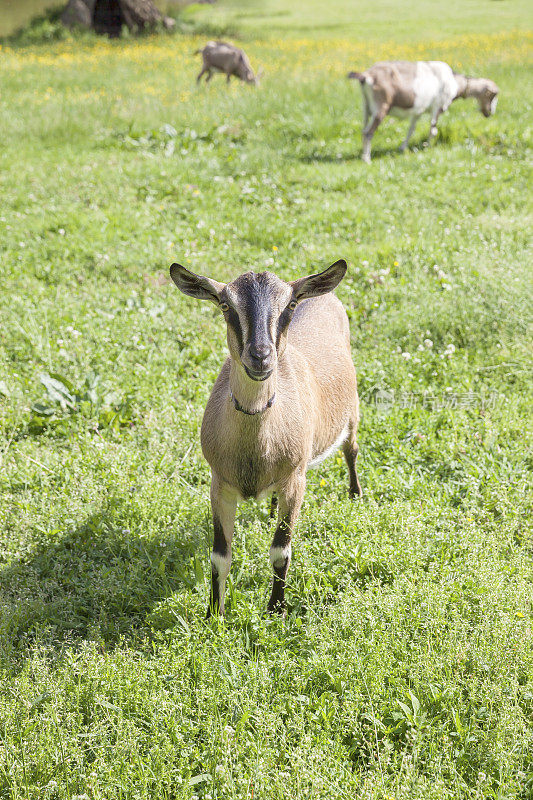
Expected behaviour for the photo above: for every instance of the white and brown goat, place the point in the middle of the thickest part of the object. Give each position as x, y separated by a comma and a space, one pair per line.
408, 89
284, 399
226, 58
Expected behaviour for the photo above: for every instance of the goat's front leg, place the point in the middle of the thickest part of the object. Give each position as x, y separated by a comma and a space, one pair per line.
404, 145
290, 501
433, 128
224, 505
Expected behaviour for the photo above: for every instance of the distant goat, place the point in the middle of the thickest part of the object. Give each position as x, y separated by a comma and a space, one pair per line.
284, 399
230, 60
409, 89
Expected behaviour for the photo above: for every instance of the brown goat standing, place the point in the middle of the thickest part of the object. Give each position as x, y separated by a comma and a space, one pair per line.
284, 399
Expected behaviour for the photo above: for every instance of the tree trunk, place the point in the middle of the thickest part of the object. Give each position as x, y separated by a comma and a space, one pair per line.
108, 16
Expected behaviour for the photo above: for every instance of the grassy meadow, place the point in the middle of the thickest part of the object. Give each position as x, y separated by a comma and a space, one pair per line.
404, 668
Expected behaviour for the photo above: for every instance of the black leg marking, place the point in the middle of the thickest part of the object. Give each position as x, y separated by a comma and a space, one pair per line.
276, 604
214, 600
273, 505
220, 547
281, 541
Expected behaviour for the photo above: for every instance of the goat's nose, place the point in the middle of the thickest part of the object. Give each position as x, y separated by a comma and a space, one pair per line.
260, 352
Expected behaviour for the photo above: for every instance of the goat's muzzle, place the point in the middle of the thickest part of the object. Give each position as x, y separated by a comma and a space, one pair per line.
259, 361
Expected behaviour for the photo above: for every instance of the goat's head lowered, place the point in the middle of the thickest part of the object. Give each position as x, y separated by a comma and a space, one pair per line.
258, 308
485, 91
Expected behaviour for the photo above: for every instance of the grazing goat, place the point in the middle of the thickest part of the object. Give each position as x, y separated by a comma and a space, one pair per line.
284, 399
230, 60
409, 89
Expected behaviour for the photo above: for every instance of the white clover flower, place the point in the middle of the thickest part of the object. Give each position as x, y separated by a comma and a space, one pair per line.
449, 351
73, 331
428, 343
406, 355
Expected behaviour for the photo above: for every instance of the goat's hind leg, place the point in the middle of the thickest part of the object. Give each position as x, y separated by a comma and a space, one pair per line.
370, 129
366, 111
290, 502
224, 505
350, 449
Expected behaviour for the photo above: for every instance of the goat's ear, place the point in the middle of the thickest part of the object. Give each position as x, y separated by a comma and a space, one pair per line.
196, 285
321, 283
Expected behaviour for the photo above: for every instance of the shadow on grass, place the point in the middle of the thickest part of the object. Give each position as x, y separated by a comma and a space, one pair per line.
377, 152
98, 582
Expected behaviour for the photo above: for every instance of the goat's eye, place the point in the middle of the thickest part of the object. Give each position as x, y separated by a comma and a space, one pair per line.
223, 307
293, 304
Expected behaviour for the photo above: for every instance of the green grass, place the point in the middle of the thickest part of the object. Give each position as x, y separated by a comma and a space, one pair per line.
381, 19
405, 666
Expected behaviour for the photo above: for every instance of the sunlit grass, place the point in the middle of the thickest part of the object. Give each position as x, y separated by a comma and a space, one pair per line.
404, 668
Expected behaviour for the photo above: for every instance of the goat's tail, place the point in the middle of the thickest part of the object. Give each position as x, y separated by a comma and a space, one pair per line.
359, 76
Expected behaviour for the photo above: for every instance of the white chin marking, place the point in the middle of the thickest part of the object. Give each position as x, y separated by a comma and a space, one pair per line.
493, 104
279, 555
337, 443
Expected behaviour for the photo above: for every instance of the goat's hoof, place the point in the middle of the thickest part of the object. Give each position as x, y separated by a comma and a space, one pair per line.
366, 159
279, 609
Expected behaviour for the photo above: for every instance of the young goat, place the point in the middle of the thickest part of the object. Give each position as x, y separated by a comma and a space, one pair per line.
226, 58
409, 89
284, 399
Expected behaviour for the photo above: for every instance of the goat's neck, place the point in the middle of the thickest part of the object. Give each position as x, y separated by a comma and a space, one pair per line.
469, 87
251, 395
462, 85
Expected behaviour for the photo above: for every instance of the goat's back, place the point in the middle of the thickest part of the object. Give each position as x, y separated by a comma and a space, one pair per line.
320, 333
